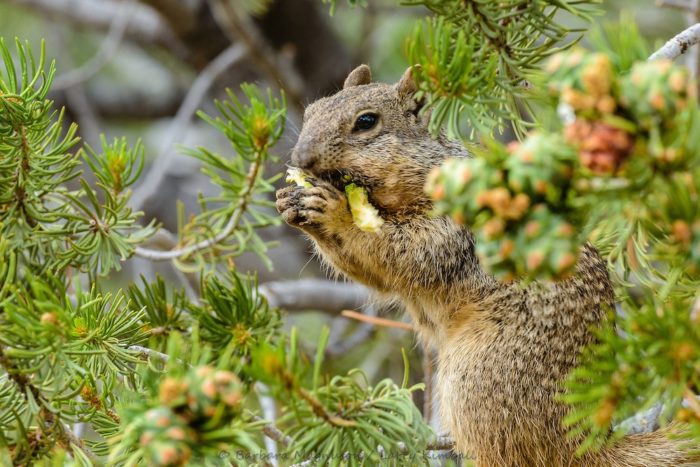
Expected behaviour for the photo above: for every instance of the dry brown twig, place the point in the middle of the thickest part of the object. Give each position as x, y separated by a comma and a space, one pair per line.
377, 321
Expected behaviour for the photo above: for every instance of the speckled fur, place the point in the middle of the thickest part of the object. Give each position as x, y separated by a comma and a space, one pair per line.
503, 348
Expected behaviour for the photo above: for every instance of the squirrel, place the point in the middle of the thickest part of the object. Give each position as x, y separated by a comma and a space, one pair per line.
503, 348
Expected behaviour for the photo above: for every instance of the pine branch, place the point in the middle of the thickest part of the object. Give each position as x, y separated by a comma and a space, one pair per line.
274, 433
147, 353
231, 225
321, 411
441, 443
679, 44
89, 396
50, 423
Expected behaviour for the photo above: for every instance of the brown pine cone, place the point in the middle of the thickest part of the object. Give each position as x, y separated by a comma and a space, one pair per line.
602, 147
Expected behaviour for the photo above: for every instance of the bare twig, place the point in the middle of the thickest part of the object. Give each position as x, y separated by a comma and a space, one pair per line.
153, 179
320, 410
679, 44
148, 353
238, 27
75, 442
441, 443
377, 321
274, 433
269, 409
314, 294
109, 47
649, 420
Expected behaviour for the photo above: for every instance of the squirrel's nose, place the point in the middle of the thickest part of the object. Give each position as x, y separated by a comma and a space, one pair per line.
303, 156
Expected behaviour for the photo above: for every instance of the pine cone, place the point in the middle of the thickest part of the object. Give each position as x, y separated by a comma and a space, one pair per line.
655, 91
165, 437
540, 167
543, 246
211, 390
455, 187
602, 148
202, 393
584, 81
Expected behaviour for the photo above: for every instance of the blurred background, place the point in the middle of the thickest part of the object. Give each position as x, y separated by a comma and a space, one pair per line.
141, 68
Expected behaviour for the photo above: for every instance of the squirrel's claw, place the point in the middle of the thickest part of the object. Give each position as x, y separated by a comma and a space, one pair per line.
310, 208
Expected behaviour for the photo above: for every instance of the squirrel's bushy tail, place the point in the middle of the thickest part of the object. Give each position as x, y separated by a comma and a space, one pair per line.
661, 448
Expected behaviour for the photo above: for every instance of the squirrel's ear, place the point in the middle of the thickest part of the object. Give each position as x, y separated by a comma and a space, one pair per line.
359, 76
407, 85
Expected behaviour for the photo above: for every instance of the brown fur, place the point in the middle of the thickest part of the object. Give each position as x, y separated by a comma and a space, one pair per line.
503, 348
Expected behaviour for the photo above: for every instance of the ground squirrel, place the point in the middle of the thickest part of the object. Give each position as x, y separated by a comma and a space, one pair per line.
503, 349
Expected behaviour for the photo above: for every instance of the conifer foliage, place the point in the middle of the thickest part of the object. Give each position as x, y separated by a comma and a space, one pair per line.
155, 377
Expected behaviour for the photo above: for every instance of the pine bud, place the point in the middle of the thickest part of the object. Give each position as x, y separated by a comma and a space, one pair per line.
49, 319
604, 415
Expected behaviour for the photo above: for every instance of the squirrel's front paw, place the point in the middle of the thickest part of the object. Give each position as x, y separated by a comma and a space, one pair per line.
313, 208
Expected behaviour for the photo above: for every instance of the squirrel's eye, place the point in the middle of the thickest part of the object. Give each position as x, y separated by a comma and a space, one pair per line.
365, 122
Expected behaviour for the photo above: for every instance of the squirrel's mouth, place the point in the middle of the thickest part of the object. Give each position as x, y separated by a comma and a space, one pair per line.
341, 178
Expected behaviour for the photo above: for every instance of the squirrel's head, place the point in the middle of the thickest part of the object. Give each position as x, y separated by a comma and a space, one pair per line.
374, 135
